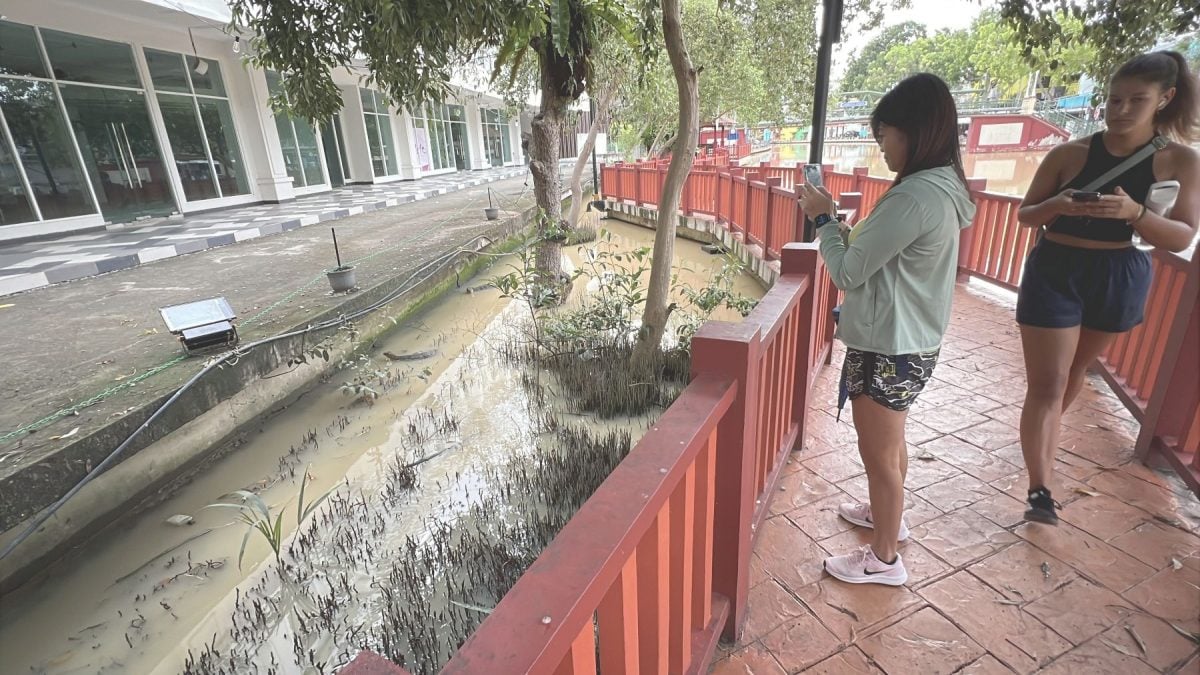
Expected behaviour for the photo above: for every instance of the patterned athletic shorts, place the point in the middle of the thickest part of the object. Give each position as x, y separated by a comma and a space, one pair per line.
890, 381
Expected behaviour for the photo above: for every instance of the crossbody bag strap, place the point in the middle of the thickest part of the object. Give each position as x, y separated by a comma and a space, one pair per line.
1157, 143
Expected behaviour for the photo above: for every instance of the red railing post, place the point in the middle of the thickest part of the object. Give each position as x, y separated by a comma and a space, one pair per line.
637, 184
1170, 424
800, 258
966, 238
769, 230
860, 173
732, 350
717, 199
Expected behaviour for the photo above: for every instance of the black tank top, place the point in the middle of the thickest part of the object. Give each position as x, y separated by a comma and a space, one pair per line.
1136, 182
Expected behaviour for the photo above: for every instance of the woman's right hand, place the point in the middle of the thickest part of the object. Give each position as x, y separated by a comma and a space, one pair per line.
1063, 205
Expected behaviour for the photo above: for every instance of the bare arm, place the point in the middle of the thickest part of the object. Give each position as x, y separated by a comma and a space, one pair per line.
1043, 201
1174, 233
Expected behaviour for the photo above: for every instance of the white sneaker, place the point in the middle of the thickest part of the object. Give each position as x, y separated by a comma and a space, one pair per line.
862, 567
860, 514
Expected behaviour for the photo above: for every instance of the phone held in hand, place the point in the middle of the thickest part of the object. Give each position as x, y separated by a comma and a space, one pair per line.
812, 175
1085, 196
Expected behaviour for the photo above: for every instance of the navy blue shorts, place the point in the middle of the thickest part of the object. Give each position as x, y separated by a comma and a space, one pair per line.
1065, 286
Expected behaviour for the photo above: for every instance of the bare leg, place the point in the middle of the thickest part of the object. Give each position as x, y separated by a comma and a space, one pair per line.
1049, 353
881, 444
1092, 343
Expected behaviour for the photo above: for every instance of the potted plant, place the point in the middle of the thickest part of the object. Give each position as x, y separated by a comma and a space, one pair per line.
341, 278
491, 211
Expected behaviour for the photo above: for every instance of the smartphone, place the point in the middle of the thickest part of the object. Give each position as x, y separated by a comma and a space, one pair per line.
1085, 196
812, 175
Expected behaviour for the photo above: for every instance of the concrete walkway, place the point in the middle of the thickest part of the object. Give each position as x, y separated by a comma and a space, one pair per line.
32, 265
1107, 591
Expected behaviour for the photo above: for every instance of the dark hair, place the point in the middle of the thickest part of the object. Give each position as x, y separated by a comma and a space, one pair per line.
1167, 69
922, 108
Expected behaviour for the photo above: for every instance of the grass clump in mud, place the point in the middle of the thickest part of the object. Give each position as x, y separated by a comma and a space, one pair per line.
428, 593
586, 345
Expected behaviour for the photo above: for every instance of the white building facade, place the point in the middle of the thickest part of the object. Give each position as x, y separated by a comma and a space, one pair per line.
113, 111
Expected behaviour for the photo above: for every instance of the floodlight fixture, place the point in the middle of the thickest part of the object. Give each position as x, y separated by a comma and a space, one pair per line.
202, 326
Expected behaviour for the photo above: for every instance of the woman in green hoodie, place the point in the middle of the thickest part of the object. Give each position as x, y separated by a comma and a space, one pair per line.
897, 268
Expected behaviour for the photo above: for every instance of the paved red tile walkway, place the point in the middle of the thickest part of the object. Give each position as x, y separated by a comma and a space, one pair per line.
1113, 589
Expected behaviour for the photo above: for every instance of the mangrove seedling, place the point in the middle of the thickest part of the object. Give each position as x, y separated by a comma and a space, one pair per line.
254, 512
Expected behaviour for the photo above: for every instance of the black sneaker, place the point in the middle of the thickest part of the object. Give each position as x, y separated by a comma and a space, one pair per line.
1042, 507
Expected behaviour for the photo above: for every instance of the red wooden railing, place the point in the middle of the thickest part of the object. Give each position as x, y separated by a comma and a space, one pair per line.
1154, 367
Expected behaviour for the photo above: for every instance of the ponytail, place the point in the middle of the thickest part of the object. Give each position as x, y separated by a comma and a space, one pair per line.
1181, 116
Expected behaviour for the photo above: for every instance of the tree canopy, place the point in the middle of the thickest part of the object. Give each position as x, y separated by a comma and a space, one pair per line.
1112, 31
984, 56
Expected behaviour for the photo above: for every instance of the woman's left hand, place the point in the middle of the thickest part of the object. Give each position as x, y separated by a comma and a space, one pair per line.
1118, 206
816, 200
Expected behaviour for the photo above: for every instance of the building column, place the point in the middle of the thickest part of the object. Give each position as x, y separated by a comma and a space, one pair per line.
406, 148
262, 147
479, 154
354, 133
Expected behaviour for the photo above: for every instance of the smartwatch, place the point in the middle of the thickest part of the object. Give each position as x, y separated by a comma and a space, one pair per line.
824, 219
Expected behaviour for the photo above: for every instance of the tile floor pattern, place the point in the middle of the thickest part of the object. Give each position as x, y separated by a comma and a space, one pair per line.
1107, 591
32, 265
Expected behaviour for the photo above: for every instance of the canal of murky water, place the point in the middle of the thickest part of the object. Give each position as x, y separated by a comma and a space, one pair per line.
162, 591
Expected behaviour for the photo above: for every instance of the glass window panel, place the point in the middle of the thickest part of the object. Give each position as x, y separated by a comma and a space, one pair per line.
14, 203
291, 152
341, 140
19, 53
187, 144
310, 152
439, 145
375, 145
210, 83
167, 71
389, 146
274, 83
44, 148
222, 142
368, 99
77, 58
506, 143
457, 113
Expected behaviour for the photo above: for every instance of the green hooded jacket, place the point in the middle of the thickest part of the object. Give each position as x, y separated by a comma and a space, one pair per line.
898, 266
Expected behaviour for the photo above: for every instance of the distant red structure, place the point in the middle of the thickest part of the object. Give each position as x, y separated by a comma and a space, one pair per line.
1002, 133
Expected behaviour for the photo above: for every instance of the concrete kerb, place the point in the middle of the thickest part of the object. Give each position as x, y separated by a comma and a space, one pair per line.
208, 420
705, 230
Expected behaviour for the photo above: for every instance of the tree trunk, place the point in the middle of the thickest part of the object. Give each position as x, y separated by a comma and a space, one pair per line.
577, 200
544, 137
657, 311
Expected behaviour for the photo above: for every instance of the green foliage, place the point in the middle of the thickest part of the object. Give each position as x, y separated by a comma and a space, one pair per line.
872, 53
411, 48
986, 55
1112, 31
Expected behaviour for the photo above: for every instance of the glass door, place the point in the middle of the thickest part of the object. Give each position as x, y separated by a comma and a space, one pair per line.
331, 142
118, 145
458, 135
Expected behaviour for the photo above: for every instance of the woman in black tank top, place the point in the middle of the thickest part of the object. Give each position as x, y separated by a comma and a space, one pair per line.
1084, 283
1135, 182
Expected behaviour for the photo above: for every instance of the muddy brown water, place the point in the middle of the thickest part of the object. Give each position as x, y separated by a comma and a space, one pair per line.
138, 598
